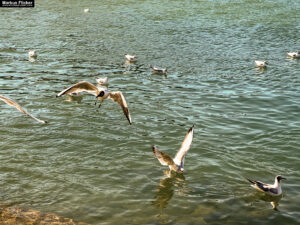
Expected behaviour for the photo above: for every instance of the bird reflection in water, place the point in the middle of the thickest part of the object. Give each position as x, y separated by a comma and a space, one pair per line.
273, 200
171, 182
165, 189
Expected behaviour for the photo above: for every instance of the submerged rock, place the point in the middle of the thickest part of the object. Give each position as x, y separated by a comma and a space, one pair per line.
15, 215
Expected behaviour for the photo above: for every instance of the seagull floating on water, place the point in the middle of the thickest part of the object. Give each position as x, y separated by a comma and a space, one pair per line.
176, 164
131, 58
293, 54
86, 10
158, 70
32, 54
18, 107
260, 63
102, 81
100, 93
271, 189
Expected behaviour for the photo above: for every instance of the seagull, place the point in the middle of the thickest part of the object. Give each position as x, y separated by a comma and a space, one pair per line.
176, 164
102, 81
100, 93
260, 63
18, 107
158, 70
293, 54
271, 189
130, 58
32, 54
86, 10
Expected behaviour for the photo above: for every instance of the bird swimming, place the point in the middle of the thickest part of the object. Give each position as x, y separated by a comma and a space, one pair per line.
100, 93
18, 107
130, 58
86, 10
293, 54
158, 70
271, 189
32, 54
177, 163
102, 81
260, 63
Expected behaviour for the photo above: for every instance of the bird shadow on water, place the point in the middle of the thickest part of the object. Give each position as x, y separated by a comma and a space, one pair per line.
165, 190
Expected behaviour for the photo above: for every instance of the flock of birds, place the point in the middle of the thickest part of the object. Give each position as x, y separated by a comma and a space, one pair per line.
101, 93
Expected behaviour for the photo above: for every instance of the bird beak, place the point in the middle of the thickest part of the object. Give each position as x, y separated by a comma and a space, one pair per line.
283, 178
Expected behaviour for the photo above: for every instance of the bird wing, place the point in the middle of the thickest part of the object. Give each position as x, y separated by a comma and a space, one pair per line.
118, 97
18, 107
82, 86
163, 158
185, 146
263, 187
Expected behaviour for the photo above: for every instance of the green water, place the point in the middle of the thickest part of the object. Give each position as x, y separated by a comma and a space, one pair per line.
92, 166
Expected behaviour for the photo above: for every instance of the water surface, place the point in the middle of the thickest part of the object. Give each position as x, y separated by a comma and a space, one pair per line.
92, 166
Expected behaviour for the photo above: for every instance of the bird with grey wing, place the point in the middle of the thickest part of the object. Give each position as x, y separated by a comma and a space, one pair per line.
293, 54
261, 64
270, 189
100, 93
130, 58
177, 163
158, 70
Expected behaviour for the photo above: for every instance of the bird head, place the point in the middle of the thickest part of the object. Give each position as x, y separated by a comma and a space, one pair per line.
101, 94
279, 178
154, 148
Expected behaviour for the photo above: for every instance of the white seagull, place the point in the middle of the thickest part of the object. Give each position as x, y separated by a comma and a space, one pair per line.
293, 54
158, 70
260, 63
100, 93
130, 58
271, 189
32, 54
18, 107
102, 81
86, 10
177, 163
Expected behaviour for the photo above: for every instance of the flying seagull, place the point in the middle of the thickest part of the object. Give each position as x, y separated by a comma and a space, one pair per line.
260, 63
100, 93
271, 189
158, 70
177, 163
293, 54
18, 107
130, 58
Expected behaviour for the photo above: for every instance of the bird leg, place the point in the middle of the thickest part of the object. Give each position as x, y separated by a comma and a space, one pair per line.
100, 104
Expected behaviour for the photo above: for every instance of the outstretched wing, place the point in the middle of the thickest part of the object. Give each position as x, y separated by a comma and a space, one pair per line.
118, 97
18, 107
82, 86
185, 146
163, 158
